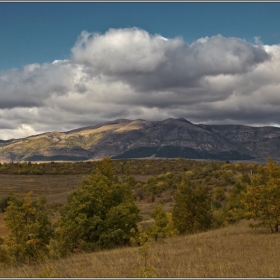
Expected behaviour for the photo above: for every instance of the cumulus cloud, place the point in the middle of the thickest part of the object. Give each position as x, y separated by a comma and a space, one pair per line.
119, 51
19, 132
149, 62
33, 84
129, 73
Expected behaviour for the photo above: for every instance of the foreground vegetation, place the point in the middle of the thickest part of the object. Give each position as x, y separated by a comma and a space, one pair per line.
233, 251
106, 212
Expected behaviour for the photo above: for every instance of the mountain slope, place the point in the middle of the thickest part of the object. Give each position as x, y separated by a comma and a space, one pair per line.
124, 138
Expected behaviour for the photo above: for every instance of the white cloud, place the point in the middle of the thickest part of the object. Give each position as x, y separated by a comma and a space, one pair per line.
22, 131
119, 51
129, 73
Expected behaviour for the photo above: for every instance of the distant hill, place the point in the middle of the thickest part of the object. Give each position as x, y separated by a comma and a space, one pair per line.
170, 138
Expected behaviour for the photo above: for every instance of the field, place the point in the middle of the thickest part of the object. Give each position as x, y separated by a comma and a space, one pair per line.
234, 251
56, 188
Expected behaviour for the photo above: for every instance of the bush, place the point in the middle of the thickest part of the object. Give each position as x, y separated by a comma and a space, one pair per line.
192, 209
30, 228
4, 202
99, 215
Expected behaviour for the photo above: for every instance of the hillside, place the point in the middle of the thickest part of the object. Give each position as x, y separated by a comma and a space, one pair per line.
170, 138
226, 252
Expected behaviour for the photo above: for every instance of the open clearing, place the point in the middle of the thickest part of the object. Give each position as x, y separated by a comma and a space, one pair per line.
54, 187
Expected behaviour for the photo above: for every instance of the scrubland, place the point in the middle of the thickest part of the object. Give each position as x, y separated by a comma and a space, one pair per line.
229, 250
233, 251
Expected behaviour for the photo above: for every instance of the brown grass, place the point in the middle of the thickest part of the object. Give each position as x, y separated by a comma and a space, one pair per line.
55, 188
234, 251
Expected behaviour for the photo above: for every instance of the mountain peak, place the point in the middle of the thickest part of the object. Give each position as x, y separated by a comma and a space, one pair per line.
184, 120
169, 138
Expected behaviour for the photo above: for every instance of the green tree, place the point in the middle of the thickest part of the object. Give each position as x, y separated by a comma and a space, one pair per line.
101, 214
29, 228
234, 209
219, 193
141, 238
192, 209
262, 199
4, 202
160, 227
163, 225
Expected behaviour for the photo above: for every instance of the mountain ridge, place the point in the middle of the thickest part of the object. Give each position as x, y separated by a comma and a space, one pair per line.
169, 138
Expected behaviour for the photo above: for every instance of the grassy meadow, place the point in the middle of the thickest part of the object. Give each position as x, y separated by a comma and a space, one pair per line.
231, 251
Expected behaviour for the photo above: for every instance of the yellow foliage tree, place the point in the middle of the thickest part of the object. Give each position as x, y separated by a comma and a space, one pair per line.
262, 199
192, 208
29, 227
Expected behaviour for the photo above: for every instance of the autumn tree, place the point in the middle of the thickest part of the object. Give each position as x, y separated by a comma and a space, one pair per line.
192, 209
219, 194
101, 214
29, 228
234, 209
4, 202
262, 199
163, 225
160, 226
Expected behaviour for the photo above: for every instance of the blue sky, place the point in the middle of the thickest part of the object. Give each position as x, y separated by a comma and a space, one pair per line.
68, 65
43, 32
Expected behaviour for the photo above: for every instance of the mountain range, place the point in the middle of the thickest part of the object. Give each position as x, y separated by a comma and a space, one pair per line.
170, 138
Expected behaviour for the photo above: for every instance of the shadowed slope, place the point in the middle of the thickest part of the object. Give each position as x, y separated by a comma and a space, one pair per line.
170, 138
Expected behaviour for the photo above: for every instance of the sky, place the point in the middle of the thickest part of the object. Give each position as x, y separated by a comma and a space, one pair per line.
68, 65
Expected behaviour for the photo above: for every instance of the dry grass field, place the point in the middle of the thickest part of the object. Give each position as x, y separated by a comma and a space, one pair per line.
56, 188
234, 251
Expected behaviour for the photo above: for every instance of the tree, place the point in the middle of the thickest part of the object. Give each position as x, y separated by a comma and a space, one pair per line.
234, 209
160, 227
101, 214
4, 202
141, 238
163, 225
29, 228
192, 209
262, 199
219, 193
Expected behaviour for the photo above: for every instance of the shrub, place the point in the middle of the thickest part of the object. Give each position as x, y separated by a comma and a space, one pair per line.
29, 226
192, 209
101, 214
